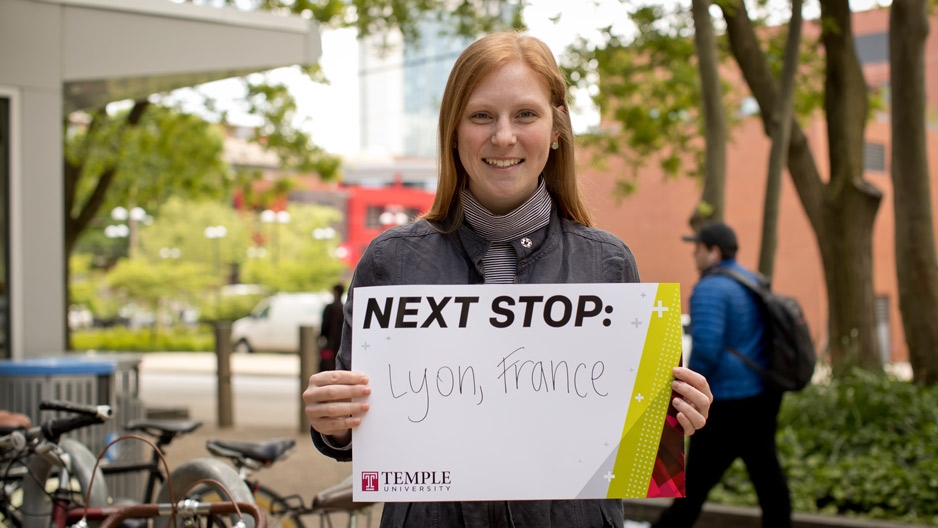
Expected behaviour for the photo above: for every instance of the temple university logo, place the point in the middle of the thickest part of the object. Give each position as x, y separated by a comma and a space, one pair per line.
369, 481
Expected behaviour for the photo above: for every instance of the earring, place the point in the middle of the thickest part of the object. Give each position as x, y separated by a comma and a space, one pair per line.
555, 145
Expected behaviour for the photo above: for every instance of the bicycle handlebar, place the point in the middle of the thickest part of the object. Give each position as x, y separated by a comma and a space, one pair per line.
103, 411
117, 515
55, 428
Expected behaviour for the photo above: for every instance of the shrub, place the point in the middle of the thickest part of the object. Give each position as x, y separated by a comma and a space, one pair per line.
198, 339
862, 445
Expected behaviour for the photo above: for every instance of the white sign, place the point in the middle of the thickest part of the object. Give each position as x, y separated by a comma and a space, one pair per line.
513, 392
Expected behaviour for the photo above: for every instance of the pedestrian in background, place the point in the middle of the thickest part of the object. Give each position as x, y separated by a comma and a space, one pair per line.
744, 414
330, 335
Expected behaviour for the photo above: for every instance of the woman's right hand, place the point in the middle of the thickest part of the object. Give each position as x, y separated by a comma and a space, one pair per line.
328, 402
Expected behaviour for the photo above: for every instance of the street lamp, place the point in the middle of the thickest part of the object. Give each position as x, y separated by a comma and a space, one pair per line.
323, 233
269, 216
133, 217
216, 233
170, 253
393, 215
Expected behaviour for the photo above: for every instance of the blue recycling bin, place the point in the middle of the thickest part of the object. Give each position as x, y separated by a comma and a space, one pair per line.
94, 379
26, 382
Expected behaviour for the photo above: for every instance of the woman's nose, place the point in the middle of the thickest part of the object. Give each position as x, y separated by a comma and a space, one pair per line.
504, 134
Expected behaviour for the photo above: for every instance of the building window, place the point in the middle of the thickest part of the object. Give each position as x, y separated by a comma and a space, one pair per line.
874, 156
372, 216
872, 48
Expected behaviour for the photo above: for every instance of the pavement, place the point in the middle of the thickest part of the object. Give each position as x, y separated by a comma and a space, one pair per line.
268, 411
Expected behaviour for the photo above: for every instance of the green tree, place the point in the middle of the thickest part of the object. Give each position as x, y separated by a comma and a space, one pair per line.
657, 66
295, 260
141, 155
155, 287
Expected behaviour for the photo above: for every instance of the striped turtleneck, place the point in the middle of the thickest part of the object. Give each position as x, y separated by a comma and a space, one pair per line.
500, 262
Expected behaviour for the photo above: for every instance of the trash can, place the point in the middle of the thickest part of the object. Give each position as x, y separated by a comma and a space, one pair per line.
127, 406
24, 383
99, 379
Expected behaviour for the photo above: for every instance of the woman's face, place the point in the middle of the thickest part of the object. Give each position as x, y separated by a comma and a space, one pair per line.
504, 137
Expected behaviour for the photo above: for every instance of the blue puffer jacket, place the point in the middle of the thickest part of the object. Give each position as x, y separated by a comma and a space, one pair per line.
418, 253
723, 312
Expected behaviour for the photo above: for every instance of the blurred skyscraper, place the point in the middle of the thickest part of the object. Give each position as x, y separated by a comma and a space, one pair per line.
401, 87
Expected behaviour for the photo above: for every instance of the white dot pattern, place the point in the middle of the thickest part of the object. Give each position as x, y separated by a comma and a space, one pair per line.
649, 438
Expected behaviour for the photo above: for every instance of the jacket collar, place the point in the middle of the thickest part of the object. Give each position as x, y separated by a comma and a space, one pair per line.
542, 242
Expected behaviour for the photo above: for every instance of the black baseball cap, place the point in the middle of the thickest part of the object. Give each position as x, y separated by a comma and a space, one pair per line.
716, 234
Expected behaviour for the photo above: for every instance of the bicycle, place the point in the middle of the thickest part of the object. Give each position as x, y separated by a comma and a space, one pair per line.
30, 458
286, 511
163, 432
184, 476
78, 478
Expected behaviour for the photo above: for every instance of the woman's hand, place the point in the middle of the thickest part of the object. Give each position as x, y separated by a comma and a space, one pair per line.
693, 406
328, 403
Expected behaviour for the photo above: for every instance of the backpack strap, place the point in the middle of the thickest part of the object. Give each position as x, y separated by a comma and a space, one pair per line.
759, 290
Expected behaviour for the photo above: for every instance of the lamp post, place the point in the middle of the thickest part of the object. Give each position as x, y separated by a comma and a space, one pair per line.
393, 215
170, 253
133, 217
269, 216
215, 234
117, 231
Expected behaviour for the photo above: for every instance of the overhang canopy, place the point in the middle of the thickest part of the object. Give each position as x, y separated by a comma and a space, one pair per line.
125, 49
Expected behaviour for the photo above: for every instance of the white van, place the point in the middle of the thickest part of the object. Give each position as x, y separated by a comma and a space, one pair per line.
274, 324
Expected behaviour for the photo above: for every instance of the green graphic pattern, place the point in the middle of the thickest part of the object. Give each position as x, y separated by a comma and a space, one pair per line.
648, 407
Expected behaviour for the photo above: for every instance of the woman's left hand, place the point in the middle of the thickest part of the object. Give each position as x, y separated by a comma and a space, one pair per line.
693, 406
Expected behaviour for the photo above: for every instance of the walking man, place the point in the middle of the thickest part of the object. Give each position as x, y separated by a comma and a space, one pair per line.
744, 414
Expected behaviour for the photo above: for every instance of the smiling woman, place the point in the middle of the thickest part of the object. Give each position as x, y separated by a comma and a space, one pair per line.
507, 211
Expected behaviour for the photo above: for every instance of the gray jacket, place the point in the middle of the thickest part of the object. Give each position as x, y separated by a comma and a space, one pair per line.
561, 252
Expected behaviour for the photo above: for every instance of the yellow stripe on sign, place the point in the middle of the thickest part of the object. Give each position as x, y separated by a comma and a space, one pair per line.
644, 423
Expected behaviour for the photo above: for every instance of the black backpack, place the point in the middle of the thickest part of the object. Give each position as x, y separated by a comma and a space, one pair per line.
791, 351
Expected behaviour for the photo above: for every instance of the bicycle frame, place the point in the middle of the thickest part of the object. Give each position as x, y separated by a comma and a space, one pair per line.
112, 516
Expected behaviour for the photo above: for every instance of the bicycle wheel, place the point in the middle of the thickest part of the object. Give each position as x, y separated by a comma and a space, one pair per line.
205, 468
279, 514
37, 505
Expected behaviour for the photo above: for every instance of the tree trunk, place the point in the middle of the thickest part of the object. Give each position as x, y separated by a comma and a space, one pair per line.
781, 133
854, 202
916, 271
842, 211
711, 204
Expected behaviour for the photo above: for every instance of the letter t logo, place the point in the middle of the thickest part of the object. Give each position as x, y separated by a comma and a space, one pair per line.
369, 481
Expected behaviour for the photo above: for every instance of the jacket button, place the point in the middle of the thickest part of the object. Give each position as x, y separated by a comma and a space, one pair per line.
526, 242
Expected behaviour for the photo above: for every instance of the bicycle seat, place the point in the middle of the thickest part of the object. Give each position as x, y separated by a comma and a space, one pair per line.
266, 451
165, 430
338, 497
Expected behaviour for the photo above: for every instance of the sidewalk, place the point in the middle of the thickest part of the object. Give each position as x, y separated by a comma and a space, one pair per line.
206, 363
